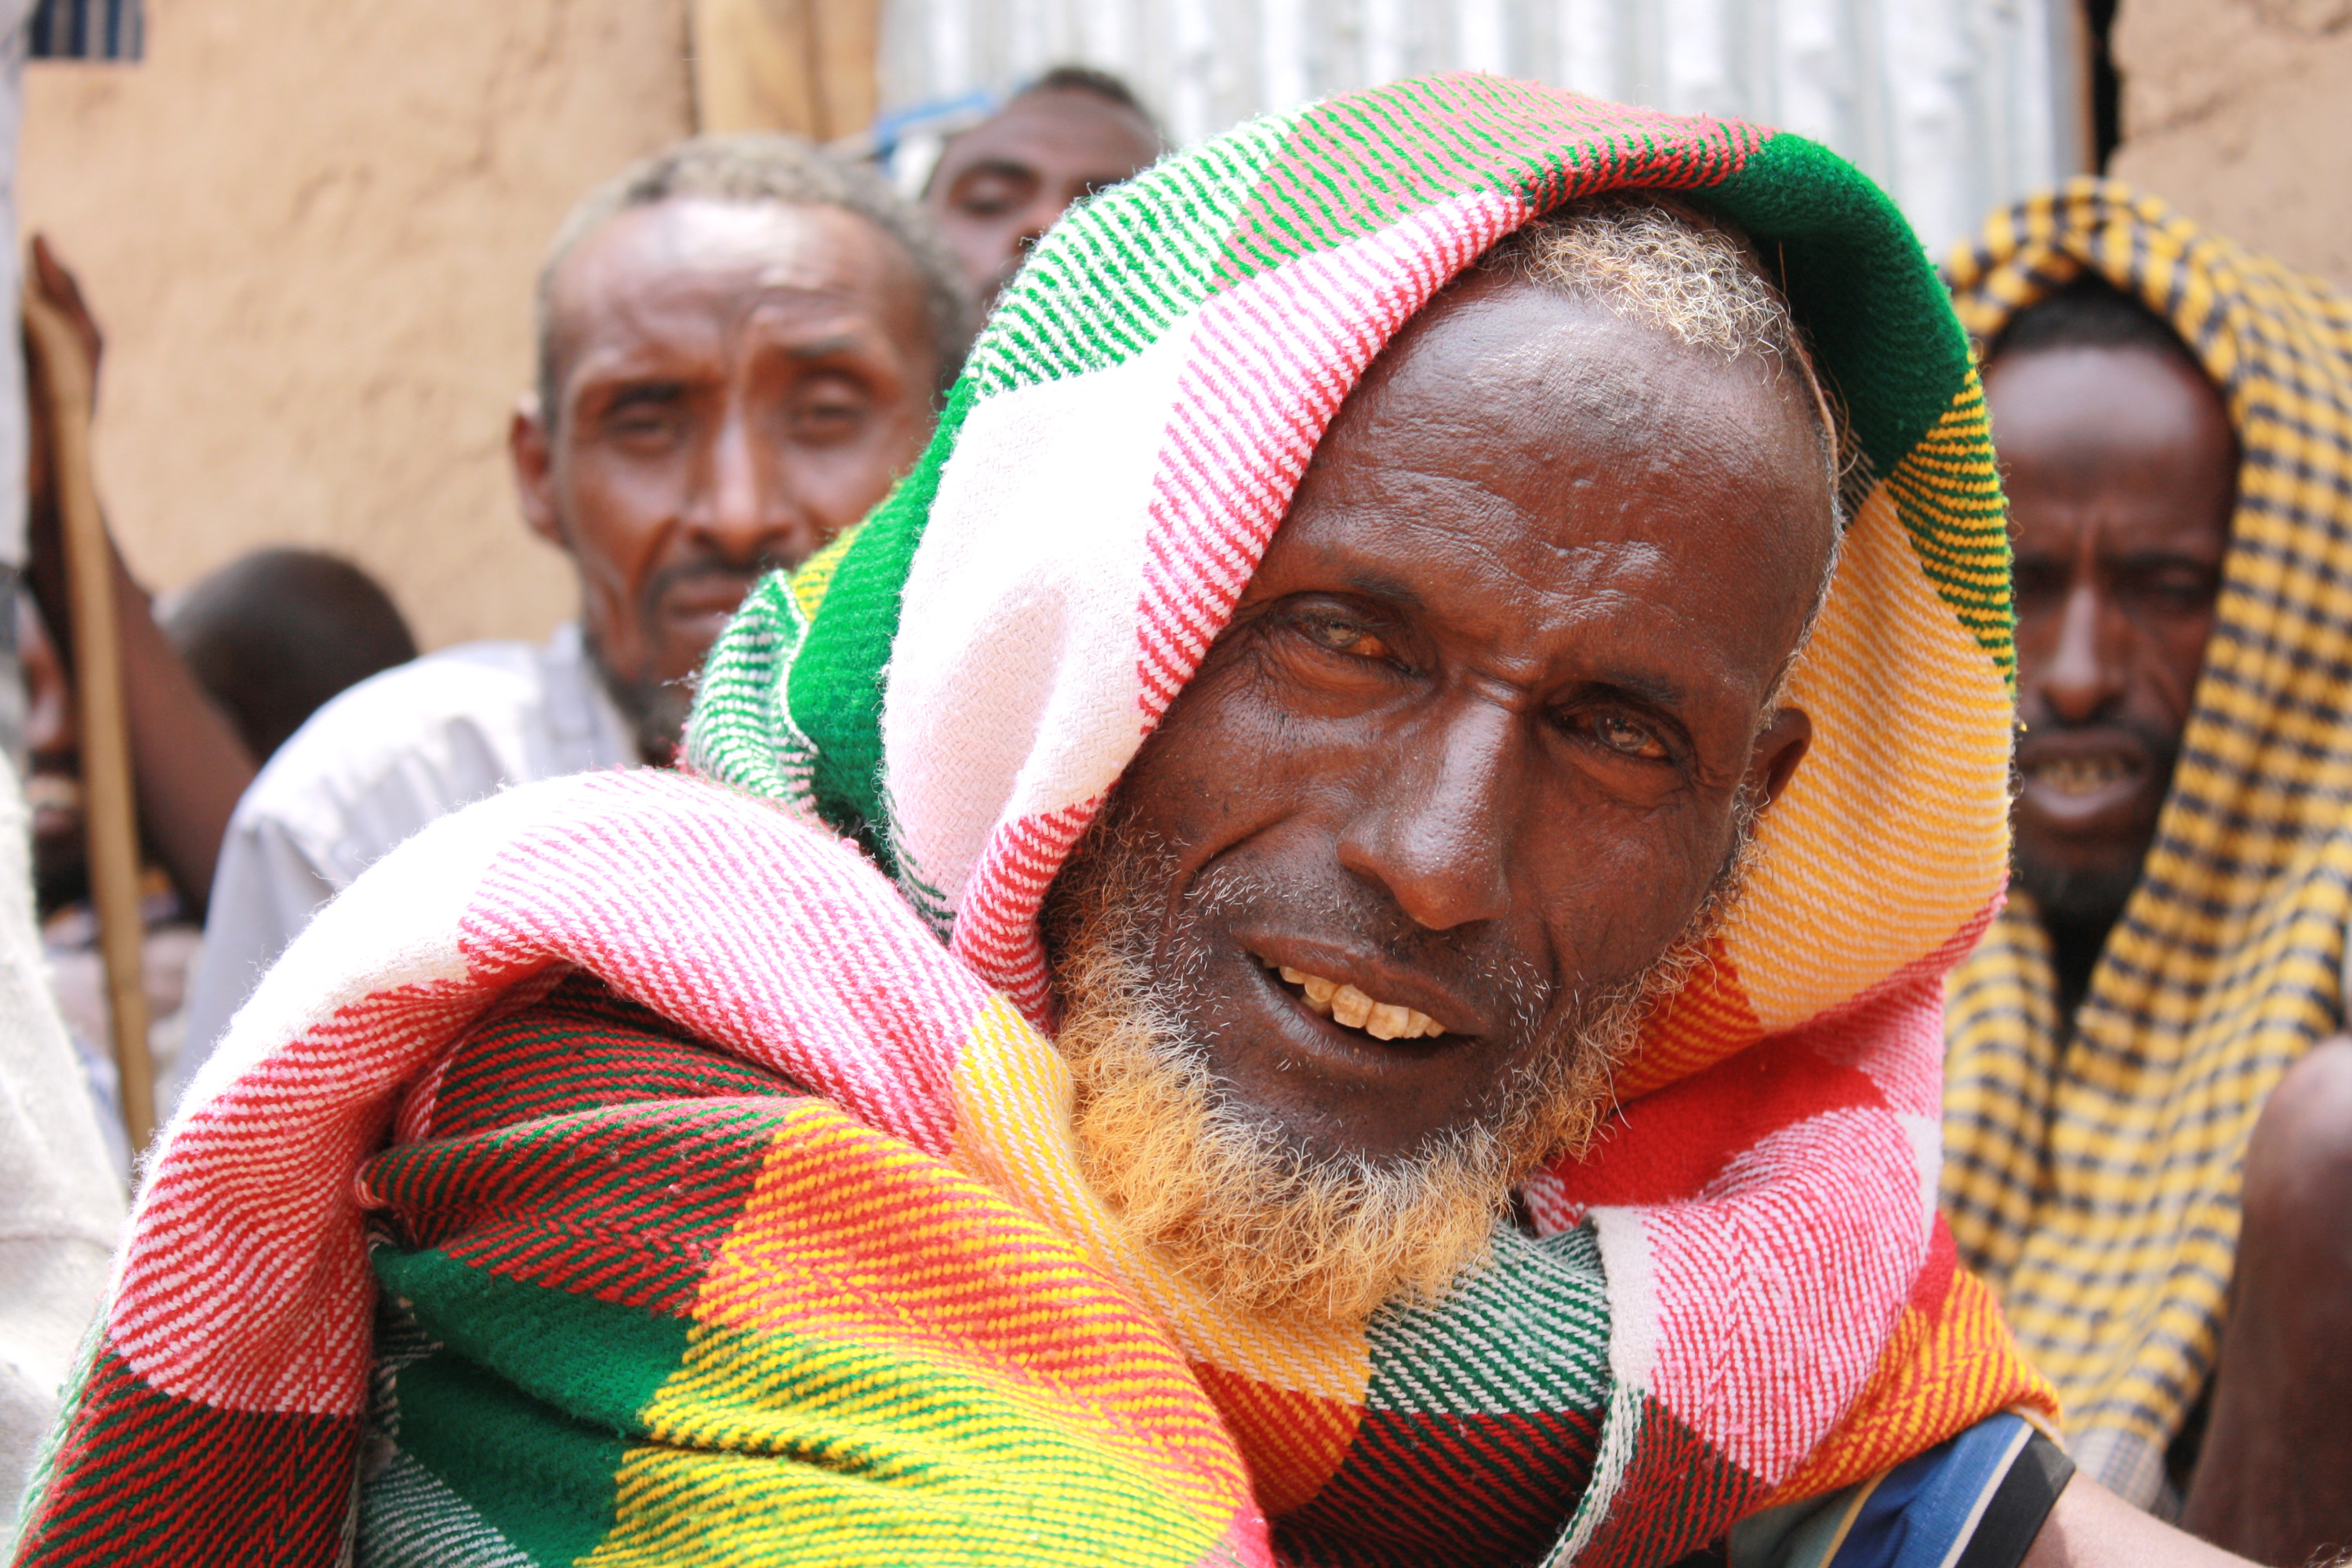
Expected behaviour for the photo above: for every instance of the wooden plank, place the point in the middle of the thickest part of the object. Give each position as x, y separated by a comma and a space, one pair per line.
109, 812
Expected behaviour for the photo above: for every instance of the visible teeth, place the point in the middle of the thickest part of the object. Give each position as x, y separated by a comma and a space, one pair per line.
2082, 776
1381, 1020
1318, 990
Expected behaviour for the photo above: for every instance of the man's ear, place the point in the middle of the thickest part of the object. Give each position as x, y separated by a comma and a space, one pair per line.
531, 446
1779, 750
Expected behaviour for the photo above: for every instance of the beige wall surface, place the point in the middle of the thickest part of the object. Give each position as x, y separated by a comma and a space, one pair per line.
2240, 112
310, 231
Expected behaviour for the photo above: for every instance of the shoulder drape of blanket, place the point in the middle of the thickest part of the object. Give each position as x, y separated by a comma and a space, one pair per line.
2095, 1183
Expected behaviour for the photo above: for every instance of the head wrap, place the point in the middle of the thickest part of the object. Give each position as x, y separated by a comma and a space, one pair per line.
962, 683
2094, 1180
803, 1259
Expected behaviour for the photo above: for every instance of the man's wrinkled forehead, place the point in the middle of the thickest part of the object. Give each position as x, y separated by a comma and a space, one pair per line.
693, 245
1596, 396
1517, 438
696, 271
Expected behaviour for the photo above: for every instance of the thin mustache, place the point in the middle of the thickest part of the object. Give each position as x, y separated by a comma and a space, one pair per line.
666, 578
2162, 747
1526, 994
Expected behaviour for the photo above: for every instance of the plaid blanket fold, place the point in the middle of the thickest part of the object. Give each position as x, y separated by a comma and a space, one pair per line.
721, 1184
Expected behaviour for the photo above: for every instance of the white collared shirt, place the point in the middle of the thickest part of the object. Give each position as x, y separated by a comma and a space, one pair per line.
370, 768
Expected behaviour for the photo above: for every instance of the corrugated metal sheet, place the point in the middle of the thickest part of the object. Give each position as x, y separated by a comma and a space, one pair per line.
1953, 105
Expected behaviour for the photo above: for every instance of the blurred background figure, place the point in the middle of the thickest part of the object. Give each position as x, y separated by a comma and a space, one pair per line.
60, 1208
53, 788
2148, 1105
271, 635
741, 343
999, 186
188, 764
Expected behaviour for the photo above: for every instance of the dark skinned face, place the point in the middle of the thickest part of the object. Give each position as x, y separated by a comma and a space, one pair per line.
737, 382
1475, 737
1000, 184
2121, 468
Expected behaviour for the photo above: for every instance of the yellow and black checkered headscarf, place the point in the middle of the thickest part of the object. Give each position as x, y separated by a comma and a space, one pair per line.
2094, 1180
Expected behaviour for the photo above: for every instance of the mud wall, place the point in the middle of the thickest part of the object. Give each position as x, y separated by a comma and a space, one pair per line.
311, 231
2236, 112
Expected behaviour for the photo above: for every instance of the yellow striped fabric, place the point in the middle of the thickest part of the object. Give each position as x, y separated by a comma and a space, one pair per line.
2094, 1180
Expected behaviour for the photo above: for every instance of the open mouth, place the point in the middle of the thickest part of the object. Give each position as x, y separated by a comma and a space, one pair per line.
53, 792
2083, 775
1346, 1005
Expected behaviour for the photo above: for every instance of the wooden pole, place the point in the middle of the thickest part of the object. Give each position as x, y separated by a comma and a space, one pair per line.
110, 814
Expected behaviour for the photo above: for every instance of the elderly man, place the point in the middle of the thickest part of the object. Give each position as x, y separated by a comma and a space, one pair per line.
740, 342
2150, 1127
1000, 185
1322, 943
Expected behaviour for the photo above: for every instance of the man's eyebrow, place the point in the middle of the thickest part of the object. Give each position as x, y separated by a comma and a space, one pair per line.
1654, 690
825, 348
1008, 168
2141, 560
1395, 592
1371, 583
620, 389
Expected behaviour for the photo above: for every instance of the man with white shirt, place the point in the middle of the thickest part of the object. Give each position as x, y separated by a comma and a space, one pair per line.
740, 344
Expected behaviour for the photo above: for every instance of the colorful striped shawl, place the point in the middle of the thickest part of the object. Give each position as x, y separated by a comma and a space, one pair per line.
790, 1253
2097, 1188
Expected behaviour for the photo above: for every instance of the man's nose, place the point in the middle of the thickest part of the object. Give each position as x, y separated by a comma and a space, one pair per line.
2085, 671
741, 508
1435, 829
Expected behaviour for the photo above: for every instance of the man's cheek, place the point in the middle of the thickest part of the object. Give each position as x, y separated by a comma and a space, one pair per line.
1218, 758
835, 488
2183, 659
1615, 894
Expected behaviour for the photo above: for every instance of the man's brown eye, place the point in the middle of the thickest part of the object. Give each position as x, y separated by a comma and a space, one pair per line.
1619, 733
827, 416
1348, 637
642, 426
2038, 583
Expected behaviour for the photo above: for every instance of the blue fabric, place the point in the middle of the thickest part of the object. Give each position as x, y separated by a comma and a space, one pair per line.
86, 30
1920, 1514
1922, 1511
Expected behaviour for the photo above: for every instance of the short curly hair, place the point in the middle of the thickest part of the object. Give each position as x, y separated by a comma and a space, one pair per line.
761, 166
1651, 258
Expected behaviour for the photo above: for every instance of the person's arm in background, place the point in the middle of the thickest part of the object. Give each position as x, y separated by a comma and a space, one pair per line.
2001, 1494
2090, 1527
187, 764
